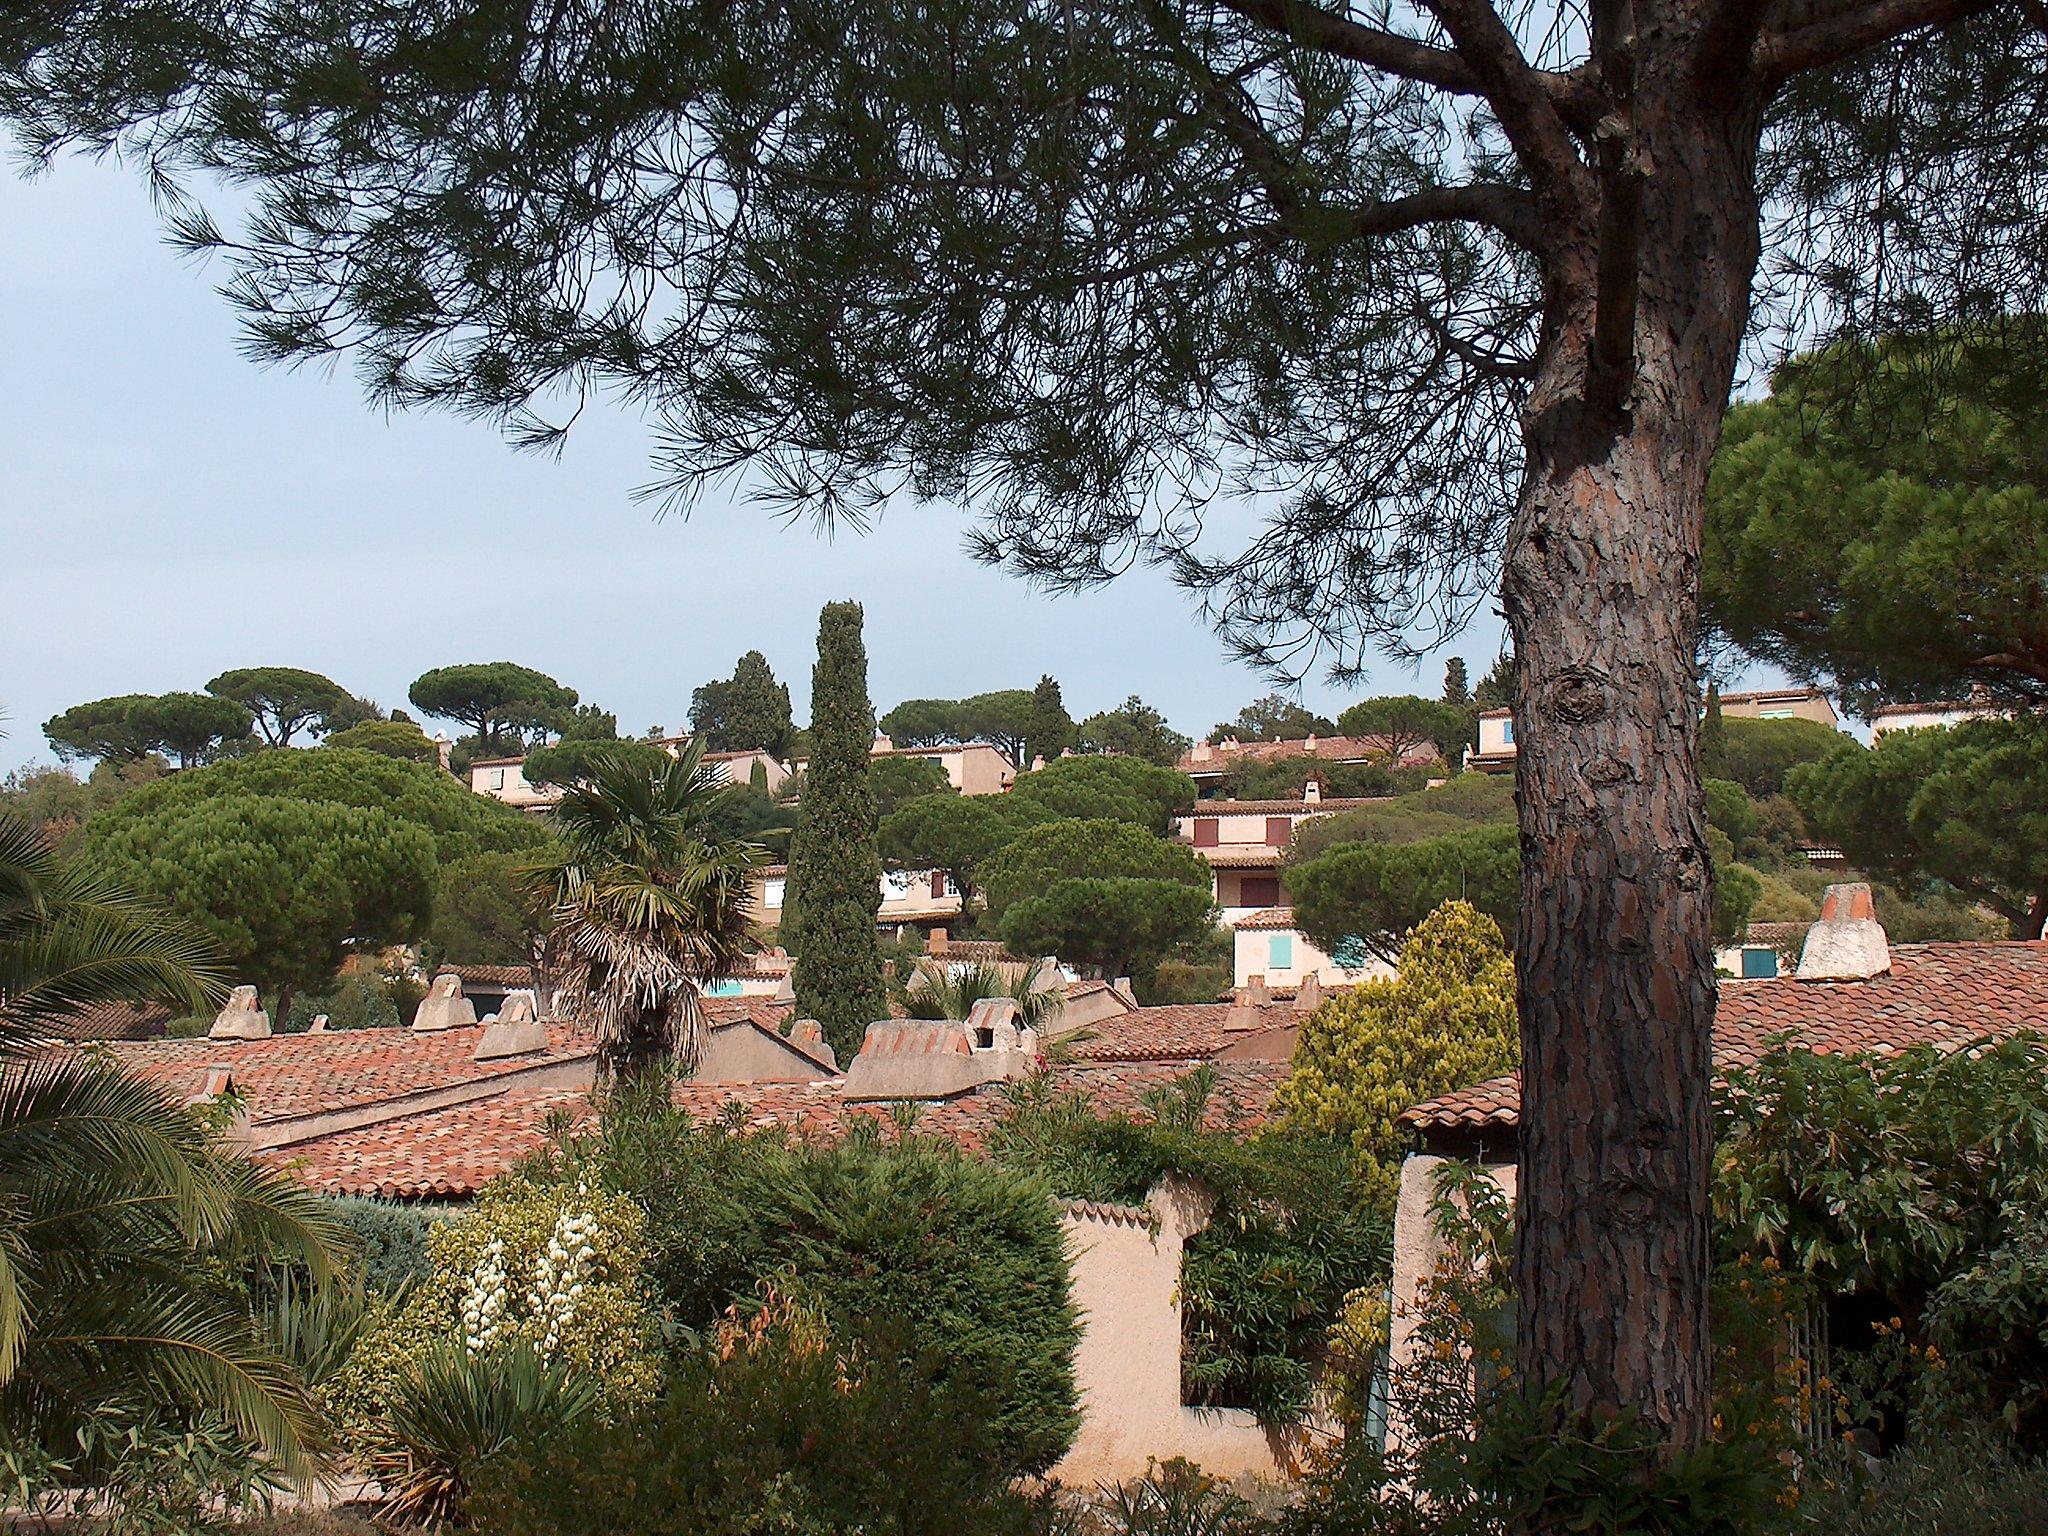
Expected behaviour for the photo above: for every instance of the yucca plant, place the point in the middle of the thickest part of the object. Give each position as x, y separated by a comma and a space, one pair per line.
648, 906
937, 991
455, 1410
123, 1223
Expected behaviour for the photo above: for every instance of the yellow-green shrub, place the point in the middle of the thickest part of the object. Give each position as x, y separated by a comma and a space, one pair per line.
607, 1330
1446, 1021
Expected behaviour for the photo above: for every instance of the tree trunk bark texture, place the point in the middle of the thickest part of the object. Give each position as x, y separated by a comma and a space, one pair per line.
1601, 595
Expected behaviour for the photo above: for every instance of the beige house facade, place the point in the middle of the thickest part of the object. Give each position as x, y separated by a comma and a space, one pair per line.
1929, 717
972, 767
1268, 946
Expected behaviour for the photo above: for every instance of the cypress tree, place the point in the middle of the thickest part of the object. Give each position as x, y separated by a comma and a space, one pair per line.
1457, 692
835, 872
1051, 730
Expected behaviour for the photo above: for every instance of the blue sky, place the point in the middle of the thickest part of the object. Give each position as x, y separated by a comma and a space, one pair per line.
169, 509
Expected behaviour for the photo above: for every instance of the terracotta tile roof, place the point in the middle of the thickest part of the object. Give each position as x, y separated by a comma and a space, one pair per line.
113, 1021
451, 1153
286, 1076
1246, 856
1175, 1032
1339, 749
1945, 994
1271, 917
1777, 935
493, 975
1296, 806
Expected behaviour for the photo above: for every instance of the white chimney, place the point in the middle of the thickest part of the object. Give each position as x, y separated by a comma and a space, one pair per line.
1848, 943
1312, 792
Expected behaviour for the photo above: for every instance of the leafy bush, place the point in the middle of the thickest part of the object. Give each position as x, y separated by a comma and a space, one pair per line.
1054, 851
1372, 893
455, 1410
1177, 1498
358, 1001
964, 1256
150, 1473
557, 1268
1446, 1021
1292, 1233
1962, 1485
778, 1429
391, 1240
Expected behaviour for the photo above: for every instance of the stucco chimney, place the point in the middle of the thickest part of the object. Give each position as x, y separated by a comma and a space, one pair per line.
1308, 742
1038, 763
1122, 987
1255, 992
444, 1006
1312, 792
1848, 943
935, 942
1310, 993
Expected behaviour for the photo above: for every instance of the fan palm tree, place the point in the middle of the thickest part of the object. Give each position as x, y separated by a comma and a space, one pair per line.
124, 1224
950, 992
648, 905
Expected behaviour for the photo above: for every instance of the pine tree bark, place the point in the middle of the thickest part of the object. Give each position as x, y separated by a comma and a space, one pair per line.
1601, 594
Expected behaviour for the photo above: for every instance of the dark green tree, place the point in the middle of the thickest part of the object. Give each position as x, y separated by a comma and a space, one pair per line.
747, 712
483, 914
569, 762
1454, 297
926, 723
1121, 927
1714, 735
835, 872
1405, 722
896, 781
103, 728
1273, 718
1117, 788
1372, 894
500, 701
190, 725
1893, 564
284, 700
1457, 690
1496, 690
286, 888
585, 722
1051, 730
955, 833
1134, 729
1758, 754
1003, 719
391, 738
1044, 855
1967, 806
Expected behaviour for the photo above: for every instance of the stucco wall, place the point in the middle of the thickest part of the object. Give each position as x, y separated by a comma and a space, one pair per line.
1126, 1282
1254, 957
740, 1053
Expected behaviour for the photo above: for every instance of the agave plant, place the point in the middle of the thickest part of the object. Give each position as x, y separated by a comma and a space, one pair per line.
455, 1410
122, 1219
648, 905
936, 991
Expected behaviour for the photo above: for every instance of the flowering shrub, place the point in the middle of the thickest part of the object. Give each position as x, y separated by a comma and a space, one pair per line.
556, 1268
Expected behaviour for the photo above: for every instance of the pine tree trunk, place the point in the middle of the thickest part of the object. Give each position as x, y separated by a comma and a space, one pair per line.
1613, 952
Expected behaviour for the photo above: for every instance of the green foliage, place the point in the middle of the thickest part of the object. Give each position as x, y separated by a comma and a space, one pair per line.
747, 813
1915, 1178
1109, 927
1836, 543
284, 887
103, 728
1273, 718
1292, 1233
389, 1241
359, 1001
1112, 788
1407, 722
189, 725
1967, 805
1051, 729
835, 870
1496, 690
955, 833
1134, 729
1285, 779
1466, 801
747, 712
456, 1411
1177, 1499
1446, 1021
1042, 856
937, 991
781, 1428
1759, 754
500, 1278
1371, 893
1961, 1484
1457, 685
459, 822
284, 700
392, 738
1730, 811
483, 913
584, 722
57, 804
569, 761
499, 700
899, 780
925, 723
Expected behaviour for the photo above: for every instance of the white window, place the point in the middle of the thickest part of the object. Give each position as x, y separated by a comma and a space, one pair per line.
497, 778
771, 893
896, 884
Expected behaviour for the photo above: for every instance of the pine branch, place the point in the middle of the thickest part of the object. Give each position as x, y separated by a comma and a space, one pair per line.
1530, 118
1841, 37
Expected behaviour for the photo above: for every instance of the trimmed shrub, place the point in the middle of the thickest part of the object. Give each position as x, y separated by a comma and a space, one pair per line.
391, 1240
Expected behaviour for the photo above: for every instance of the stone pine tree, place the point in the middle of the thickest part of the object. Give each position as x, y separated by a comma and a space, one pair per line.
1051, 729
835, 873
1452, 294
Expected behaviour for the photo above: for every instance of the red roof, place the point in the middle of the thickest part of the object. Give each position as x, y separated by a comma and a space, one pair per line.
1945, 994
1336, 749
452, 1153
1297, 806
1271, 917
1176, 1032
